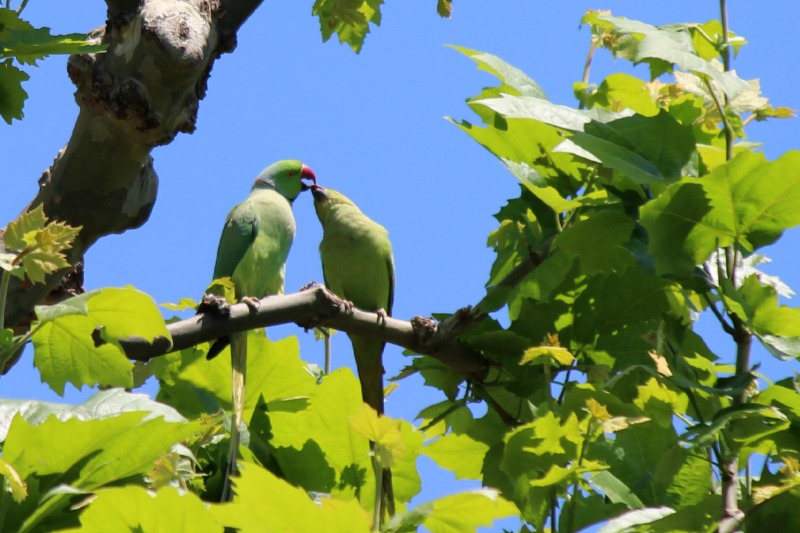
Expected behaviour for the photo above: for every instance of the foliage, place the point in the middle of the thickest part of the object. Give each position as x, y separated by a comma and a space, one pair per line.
639, 210
25, 44
350, 19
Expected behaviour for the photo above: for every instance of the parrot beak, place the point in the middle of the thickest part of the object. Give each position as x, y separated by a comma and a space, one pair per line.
319, 193
307, 174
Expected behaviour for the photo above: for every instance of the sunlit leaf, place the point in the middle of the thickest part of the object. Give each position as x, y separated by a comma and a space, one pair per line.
136, 509
467, 511
349, 20
13, 483
461, 454
262, 498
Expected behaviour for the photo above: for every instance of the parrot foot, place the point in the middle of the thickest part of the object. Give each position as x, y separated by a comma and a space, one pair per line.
381, 316
216, 305
347, 307
310, 285
253, 303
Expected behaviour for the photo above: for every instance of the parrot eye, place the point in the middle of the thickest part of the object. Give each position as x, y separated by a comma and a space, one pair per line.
291, 173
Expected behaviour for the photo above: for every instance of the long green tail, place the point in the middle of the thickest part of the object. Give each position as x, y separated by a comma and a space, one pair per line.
238, 375
369, 360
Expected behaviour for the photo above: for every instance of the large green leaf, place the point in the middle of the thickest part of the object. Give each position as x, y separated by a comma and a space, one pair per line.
83, 349
265, 502
662, 47
106, 449
597, 241
512, 77
757, 305
461, 454
133, 508
19, 39
91, 453
104, 404
275, 373
321, 435
679, 235
754, 200
466, 511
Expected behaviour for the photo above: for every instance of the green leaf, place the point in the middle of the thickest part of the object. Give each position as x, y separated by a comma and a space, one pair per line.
622, 91
514, 80
133, 508
383, 431
102, 450
635, 455
680, 237
532, 447
104, 404
757, 304
539, 109
461, 454
444, 8
466, 511
754, 200
274, 372
614, 303
659, 402
262, 498
597, 241
539, 355
39, 244
13, 482
22, 41
349, 19
21, 232
616, 490
662, 47
83, 349
768, 420
182, 305
12, 95
626, 521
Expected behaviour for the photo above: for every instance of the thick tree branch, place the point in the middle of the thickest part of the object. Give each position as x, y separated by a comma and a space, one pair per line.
139, 94
316, 307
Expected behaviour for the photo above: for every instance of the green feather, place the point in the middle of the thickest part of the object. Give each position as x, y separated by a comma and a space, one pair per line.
253, 248
358, 265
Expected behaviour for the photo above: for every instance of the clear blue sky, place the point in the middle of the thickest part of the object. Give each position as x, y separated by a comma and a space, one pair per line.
371, 126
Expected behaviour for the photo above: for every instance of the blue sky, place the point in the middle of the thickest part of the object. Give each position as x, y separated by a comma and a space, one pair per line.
371, 126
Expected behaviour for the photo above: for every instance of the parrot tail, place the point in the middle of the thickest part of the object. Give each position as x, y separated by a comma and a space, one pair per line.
238, 374
369, 360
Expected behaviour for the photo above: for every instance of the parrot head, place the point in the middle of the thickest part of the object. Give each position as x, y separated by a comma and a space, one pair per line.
327, 199
286, 177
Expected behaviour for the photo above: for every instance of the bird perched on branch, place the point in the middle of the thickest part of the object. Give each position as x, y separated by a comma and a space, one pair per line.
252, 252
358, 266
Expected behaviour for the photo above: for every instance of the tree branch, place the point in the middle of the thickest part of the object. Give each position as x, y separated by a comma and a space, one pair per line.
316, 306
139, 94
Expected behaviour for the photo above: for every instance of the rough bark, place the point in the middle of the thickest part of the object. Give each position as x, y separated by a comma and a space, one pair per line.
139, 94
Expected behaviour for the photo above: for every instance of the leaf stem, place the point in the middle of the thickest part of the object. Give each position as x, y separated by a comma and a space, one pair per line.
328, 355
378, 471
727, 328
587, 66
3, 294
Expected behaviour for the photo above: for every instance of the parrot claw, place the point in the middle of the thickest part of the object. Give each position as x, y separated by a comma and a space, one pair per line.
348, 307
381, 316
310, 285
216, 305
253, 303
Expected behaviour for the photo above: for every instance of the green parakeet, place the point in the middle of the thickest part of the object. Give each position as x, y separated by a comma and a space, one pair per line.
358, 266
252, 251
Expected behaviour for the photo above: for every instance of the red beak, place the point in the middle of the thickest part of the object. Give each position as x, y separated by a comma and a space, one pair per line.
307, 173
